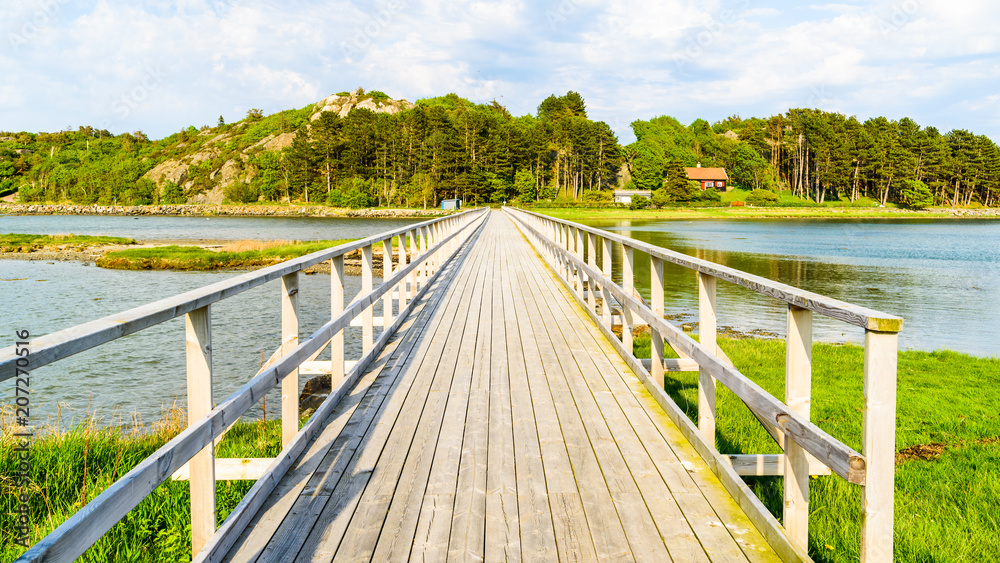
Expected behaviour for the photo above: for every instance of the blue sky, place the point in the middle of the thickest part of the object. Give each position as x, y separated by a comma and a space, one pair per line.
159, 67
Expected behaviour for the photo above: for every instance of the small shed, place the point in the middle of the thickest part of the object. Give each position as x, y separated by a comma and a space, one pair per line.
625, 196
709, 177
451, 204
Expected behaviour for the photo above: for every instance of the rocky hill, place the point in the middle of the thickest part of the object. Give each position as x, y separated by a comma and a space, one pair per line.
224, 155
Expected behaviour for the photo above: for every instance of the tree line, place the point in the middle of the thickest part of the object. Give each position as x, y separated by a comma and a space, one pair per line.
449, 147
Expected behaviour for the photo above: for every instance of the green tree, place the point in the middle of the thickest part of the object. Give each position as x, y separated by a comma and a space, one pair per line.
677, 186
916, 194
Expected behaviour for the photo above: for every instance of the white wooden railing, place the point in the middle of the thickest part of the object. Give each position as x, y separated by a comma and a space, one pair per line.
432, 244
571, 250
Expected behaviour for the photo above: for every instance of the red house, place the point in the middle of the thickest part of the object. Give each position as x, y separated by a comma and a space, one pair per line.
709, 177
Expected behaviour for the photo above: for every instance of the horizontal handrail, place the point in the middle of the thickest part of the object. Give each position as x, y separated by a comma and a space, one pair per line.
87, 525
857, 315
840, 458
64, 343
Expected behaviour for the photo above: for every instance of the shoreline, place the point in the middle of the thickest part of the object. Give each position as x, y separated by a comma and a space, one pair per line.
597, 213
219, 210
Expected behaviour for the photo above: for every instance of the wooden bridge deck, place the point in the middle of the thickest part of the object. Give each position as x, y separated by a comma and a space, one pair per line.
499, 424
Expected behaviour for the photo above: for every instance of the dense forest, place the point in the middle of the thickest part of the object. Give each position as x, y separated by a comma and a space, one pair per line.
387, 154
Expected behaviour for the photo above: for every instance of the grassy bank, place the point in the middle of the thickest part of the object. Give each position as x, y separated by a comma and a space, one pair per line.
947, 433
70, 468
242, 254
29, 243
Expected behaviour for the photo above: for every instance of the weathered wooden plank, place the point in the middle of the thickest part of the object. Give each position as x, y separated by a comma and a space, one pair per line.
706, 337
534, 515
798, 385
231, 469
768, 465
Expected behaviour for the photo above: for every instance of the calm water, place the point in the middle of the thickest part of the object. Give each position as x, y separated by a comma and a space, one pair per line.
145, 372
193, 228
942, 277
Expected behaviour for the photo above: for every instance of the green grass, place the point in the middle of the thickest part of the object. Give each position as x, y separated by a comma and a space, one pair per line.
13, 242
70, 468
197, 258
947, 508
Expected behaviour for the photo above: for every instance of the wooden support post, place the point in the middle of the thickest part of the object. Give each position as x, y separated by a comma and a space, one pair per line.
706, 336
404, 295
879, 446
628, 285
336, 308
592, 262
366, 288
424, 267
198, 347
656, 303
386, 274
606, 270
289, 340
798, 390
579, 255
415, 273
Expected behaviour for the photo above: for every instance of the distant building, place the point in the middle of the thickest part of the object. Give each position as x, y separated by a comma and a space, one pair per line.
709, 177
625, 196
451, 204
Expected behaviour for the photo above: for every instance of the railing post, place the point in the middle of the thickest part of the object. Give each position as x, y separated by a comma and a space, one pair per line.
425, 266
879, 446
336, 308
656, 302
366, 288
289, 340
592, 262
579, 256
798, 383
606, 270
386, 274
628, 286
415, 273
403, 294
198, 348
706, 331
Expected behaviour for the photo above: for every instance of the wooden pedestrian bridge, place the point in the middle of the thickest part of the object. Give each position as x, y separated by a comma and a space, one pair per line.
495, 414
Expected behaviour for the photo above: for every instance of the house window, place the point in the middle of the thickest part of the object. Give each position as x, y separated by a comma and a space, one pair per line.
720, 184
709, 184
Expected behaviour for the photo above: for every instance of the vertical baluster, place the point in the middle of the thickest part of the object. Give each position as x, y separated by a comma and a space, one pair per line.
425, 266
592, 262
336, 308
579, 256
798, 389
198, 348
366, 288
403, 293
706, 332
606, 270
289, 340
415, 273
879, 446
628, 286
386, 274
656, 303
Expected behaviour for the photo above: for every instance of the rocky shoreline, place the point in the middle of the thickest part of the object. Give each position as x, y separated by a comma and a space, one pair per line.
216, 211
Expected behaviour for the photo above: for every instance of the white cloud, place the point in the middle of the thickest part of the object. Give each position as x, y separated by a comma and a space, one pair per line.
933, 60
